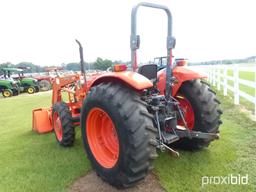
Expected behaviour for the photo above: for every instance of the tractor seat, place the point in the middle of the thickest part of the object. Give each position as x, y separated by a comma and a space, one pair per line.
149, 71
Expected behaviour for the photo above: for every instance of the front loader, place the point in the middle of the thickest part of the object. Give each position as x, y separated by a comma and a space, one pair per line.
125, 116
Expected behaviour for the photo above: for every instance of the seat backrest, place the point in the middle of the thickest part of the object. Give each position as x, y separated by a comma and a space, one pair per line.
149, 71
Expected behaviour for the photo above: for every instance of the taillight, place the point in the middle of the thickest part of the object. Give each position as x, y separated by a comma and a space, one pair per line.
181, 62
119, 67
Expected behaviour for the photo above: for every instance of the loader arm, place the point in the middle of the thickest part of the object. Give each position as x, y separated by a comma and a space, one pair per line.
59, 83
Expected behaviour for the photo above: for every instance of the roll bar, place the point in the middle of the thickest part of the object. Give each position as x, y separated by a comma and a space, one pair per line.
135, 41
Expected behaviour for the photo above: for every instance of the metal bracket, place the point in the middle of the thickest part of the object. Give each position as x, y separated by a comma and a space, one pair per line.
196, 134
171, 42
135, 42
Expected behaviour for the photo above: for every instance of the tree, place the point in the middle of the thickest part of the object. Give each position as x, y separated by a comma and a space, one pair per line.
7, 64
102, 64
77, 66
73, 67
31, 67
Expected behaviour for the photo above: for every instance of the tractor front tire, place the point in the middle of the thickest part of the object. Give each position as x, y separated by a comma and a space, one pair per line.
62, 124
118, 134
201, 110
31, 90
7, 93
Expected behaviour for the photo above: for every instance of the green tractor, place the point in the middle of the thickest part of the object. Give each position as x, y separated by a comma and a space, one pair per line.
9, 87
26, 84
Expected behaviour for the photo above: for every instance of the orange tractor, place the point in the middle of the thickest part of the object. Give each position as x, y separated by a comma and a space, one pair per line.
125, 116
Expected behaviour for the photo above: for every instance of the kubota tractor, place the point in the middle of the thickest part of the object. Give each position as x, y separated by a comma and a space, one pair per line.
125, 116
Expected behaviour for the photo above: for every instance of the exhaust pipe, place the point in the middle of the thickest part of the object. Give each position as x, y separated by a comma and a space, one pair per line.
81, 57
83, 81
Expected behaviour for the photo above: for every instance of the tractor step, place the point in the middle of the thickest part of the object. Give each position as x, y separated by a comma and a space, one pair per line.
169, 138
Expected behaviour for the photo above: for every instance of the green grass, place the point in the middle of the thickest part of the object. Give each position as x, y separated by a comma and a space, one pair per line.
32, 162
233, 154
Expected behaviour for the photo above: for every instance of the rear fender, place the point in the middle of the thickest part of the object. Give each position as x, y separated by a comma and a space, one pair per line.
182, 74
128, 78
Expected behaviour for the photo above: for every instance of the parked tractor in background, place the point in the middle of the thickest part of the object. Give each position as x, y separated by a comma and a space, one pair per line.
161, 62
8, 87
126, 115
26, 84
45, 80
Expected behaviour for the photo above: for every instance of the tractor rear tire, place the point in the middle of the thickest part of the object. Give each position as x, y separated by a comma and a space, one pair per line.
44, 85
7, 93
31, 90
130, 157
206, 111
62, 124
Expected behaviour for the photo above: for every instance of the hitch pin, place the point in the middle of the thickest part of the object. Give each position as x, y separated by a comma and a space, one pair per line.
173, 152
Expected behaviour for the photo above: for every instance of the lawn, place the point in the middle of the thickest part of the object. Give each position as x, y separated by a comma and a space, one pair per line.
233, 154
32, 162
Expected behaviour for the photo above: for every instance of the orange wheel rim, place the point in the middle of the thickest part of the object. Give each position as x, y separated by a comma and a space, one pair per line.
102, 138
57, 126
188, 111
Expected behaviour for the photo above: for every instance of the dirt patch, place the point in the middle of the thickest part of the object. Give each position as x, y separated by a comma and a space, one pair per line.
92, 183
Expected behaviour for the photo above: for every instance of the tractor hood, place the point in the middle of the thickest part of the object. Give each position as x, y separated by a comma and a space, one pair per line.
7, 81
28, 79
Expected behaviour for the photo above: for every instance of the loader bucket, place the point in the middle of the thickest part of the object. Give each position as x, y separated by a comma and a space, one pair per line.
41, 120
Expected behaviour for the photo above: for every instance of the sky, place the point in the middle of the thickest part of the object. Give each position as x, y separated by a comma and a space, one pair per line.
44, 31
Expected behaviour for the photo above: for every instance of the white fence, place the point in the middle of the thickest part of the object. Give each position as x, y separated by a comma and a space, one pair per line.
218, 75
